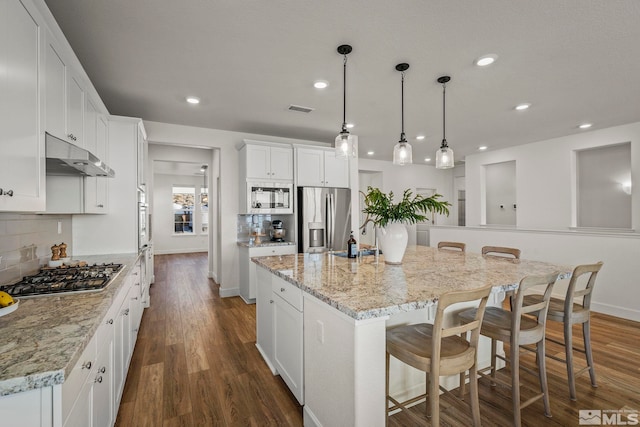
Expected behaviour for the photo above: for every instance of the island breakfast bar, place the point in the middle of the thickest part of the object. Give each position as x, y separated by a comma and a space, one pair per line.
322, 320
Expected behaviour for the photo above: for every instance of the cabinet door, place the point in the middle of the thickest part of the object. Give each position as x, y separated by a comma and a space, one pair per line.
258, 162
75, 111
21, 142
281, 163
96, 188
288, 345
336, 170
80, 414
264, 317
103, 412
310, 167
141, 153
56, 88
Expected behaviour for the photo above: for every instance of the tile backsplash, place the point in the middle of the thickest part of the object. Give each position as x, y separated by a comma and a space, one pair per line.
26, 240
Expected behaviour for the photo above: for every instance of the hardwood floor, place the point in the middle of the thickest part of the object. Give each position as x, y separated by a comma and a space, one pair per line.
195, 364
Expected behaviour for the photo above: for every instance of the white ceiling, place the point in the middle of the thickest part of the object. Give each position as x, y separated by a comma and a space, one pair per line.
248, 60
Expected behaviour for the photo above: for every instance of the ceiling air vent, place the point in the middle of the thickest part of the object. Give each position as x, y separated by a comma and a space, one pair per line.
300, 108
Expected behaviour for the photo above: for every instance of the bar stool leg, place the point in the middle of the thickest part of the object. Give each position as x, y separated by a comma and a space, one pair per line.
542, 375
434, 398
493, 361
386, 395
586, 332
515, 383
474, 395
568, 347
428, 393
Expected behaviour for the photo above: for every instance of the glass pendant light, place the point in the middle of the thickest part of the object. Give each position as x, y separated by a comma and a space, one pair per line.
345, 147
444, 155
402, 150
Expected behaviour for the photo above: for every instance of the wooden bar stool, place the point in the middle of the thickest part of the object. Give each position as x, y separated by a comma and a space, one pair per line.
439, 351
452, 245
490, 250
516, 329
570, 312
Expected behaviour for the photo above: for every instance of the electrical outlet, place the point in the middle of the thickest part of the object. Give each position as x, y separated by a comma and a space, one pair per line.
59, 227
320, 331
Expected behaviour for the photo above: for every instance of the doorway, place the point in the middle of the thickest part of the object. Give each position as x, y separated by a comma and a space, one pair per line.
184, 199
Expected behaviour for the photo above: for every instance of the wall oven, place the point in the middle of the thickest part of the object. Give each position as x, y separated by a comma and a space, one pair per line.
269, 198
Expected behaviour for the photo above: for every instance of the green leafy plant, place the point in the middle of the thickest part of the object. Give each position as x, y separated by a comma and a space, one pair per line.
381, 210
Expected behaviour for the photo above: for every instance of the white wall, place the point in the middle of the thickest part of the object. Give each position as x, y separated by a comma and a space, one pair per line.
501, 193
165, 241
399, 178
226, 143
545, 173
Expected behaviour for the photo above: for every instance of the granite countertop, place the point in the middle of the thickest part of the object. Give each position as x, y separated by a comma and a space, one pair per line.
366, 288
264, 244
43, 339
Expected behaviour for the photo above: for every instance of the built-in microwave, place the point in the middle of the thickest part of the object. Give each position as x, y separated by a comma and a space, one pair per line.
269, 198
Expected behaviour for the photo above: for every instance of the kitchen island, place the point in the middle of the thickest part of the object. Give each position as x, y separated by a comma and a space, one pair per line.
345, 306
52, 343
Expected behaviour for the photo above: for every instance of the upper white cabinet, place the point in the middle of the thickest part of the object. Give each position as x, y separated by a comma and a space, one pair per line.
64, 97
22, 163
142, 154
96, 188
318, 167
267, 162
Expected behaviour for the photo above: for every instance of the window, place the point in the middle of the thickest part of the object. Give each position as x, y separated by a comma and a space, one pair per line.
604, 186
183, 208
204, 209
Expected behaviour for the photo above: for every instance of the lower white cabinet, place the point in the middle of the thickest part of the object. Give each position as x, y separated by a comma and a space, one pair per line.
90, 395
280, 329
248, 276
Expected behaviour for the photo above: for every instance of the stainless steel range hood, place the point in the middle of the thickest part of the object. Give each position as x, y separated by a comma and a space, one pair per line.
64, 158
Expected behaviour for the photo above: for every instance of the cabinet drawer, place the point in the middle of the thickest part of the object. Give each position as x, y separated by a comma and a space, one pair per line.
288, 292
273, 250
78, 377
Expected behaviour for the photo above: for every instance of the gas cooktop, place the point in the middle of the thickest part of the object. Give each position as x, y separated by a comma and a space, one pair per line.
62, 280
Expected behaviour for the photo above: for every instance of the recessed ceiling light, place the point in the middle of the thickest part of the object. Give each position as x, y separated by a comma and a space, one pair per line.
193, 100
485, 60
320, 84
585, 126
427, 159
350, 125
482, 147
521, 107
371, 153
420, 137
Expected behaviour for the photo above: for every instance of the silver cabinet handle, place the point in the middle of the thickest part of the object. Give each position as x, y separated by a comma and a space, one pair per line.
270, 301
126, 312
99, 379
86, 365
282, 289
100, 206
6, 193
102, 370
110, 322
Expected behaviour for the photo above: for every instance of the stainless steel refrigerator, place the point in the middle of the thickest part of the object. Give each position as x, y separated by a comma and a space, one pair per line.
324, 219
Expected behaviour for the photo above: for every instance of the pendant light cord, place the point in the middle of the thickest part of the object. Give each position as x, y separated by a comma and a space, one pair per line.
444, 129
344, 94
402, 136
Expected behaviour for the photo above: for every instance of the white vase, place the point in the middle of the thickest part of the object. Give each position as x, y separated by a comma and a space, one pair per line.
392, 241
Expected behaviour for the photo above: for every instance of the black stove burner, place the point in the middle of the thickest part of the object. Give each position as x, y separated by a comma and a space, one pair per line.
64, 279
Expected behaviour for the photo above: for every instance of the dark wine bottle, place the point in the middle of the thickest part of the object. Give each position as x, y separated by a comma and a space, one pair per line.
352, 247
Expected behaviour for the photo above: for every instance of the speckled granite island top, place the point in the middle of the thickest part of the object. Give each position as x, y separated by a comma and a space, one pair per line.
43, 339
365, 288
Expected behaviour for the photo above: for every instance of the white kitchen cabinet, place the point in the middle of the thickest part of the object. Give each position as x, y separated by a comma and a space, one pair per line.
264, 317
96, 188
248, 276
318, 167
22, 161
267, 162
102, 404
65, 96
288, 320
141, 157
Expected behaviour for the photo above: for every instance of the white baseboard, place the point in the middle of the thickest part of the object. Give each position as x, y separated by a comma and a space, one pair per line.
213, 275
612, 310
177, 251
233, 292
309, 419
266, 359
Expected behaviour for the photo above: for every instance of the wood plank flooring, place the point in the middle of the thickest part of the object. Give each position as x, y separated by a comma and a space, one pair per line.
195, 364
